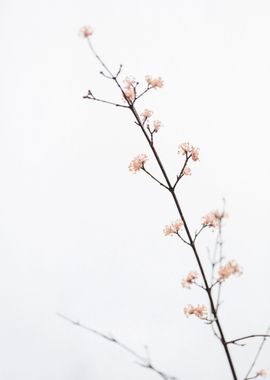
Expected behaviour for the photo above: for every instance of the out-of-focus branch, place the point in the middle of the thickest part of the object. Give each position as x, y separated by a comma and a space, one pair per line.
143, 361
257, 355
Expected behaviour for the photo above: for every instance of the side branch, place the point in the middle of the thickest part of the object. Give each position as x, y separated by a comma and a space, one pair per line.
143, 361
248, 337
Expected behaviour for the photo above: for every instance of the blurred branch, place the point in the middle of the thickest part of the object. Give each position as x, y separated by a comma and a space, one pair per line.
143, 361
257, 355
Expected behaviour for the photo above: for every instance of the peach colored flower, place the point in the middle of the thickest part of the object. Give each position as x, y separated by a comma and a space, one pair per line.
173, 228
86, 31
188, 281
200, 311
185, 148
129, 94
129, 82
211, 220
195, 154
231, 268
147, 113
138, 163
157, 125
187, 171
154, 82
262, 373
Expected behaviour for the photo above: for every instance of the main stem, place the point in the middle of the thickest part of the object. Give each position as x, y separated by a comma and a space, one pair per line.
191, 241
172, 191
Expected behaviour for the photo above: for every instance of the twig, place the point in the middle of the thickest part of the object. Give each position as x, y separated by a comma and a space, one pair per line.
91, 97
154, 178
257, 354
249, 337
144, 361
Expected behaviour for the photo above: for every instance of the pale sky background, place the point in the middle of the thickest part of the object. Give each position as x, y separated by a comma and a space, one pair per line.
80, 234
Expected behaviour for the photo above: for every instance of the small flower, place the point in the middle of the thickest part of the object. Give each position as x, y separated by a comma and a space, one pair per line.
184, 148
200, 311
173, 228
86, 31
157, 125
195, 154
154, 82
146, 114
262, 373
129, 94
187, 171
129, 82
211, 220
138, 163
231, 268
188, 281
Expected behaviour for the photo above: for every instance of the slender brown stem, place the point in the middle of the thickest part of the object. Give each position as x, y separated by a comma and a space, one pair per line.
248, 337
171, 189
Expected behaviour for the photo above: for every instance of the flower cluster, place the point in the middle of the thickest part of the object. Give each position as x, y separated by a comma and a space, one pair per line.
186, 149
129, 88
154, 82
212, 219
200, 311
173, 228
146, 114
261, 373
138, 163
231, 268
187, 171
86, 31
188, 281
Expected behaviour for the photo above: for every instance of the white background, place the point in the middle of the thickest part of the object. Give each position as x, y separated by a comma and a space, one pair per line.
80, 234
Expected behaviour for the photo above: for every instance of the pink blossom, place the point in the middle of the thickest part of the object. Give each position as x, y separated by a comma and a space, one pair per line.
147, 113
231, 268
138, 163
184, 148
187, 171
129, 94
188, 281
262, 373
157, 125
173, 228
86, 31
154, 82
129, 82
200, 311
195, 154
211, 220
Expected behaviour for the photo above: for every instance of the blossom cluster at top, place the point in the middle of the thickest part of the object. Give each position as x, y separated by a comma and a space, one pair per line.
86, 31
231, 268
138, 163
199, 311
189, 279
186, 149
173, 228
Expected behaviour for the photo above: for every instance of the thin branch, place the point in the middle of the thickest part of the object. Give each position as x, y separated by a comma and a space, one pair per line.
144, 361
257, 354
154, 178
182, 171
248, 337
91, 97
